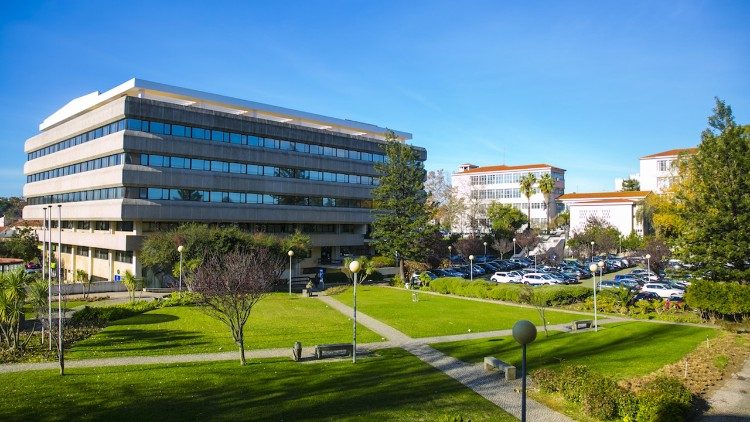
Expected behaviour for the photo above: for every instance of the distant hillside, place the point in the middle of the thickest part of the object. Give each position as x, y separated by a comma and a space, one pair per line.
12, 207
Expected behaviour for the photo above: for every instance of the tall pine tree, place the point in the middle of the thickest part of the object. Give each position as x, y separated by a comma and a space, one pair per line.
402, 217
714, 199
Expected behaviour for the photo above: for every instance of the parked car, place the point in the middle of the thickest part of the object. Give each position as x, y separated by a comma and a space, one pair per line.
506, 277
664, 291
451, 272
537, 279
416, 278
650, 296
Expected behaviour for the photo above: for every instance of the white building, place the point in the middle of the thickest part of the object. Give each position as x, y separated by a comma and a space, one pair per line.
658, 170
481, 186
617, 208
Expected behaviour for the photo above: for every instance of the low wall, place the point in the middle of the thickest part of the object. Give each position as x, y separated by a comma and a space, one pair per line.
95, 287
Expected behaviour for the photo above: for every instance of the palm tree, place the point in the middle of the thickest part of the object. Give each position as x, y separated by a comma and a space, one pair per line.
547, 186
527, 183
12, 298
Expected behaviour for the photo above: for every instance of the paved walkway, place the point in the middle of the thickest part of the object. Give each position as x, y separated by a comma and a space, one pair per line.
732, 401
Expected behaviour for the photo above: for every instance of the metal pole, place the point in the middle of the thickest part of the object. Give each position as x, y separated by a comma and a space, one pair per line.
61, 353
45, 275
471, 269
180, 287
290, 274
523, 385
596, 318
354, 338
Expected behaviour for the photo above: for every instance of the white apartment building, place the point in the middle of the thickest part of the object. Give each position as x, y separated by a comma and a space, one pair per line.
617, 208
658, 170
481, 186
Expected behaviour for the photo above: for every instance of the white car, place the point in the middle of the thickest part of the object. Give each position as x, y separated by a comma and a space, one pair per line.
664, 291
538, 279
505, 277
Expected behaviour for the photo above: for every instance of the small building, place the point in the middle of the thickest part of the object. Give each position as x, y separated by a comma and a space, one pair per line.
10, 264
658, 171
617, 208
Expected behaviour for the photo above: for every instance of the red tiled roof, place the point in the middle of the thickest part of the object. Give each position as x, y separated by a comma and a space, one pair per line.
508, 168
672, 153
618, 196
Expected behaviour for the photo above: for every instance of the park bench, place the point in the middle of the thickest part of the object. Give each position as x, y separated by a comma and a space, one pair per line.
338, 347
508, 370
577, 325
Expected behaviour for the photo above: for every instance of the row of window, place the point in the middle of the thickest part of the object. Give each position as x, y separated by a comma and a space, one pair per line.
98, 253
496, 179
120, 226
154, 160
88, 195
496, 193
166, 194
665, 165
102, 162
79, 139
183, 131
162, 226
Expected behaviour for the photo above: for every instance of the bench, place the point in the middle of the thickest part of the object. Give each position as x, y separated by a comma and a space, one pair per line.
307, 292
577, 325
491, 363
338, 347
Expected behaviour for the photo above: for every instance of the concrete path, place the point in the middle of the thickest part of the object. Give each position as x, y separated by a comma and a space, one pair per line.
487, 384
732, 401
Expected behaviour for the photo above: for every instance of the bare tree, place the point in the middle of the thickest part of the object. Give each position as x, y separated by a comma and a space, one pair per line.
232, 284
502, 245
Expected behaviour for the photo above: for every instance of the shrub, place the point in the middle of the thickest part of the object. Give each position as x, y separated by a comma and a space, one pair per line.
546, 380
382, 261
718, 299
397, 281
627, 405
664, 399
104, 314
333, 291
599, 397
575, 379
184, 298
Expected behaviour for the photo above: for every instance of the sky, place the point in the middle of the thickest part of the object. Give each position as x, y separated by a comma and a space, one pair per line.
588, 86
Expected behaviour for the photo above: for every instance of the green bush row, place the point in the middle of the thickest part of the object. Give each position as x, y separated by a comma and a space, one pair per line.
543, 295
717, 299
663, 399
105, 314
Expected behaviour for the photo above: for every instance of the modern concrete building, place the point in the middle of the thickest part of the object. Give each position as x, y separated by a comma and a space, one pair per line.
481, 186
617, 208
144, 157
658, 170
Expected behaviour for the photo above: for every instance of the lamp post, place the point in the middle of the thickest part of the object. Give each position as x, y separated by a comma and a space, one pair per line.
180, 249
291, 254
450, 255
471, 267
45, 274
592, 251
648, 266
593, 267
514, 247
60, 353
524, 332
354, 268
485, 251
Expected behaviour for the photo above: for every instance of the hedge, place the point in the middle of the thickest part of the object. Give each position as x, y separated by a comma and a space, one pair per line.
543, 295
715, 299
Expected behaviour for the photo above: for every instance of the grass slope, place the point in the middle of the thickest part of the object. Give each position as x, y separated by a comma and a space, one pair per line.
392, 386
277, 321
438, 316
620, 350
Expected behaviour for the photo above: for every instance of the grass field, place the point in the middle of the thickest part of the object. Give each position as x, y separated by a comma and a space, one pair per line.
276, 321
438, 316
392, 386
620, 350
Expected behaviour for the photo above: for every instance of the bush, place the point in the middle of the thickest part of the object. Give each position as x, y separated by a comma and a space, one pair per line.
337, 290
546, 380
718, 299
544, 296
599, 398
383, 261
397, 281
664, 399
104, 314
184, 298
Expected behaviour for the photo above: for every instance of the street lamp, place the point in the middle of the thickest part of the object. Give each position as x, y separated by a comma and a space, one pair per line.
485, 251
593, 267
60, 316
291, 254
471, 268
354, 268
514, 247
450, 255
592, 251
524, 332
600, 264
180, 249
46, 274
648, 266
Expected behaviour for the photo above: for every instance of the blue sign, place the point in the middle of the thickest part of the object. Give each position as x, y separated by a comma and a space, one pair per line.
117, 277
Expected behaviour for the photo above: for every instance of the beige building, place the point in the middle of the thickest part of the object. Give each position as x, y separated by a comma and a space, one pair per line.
617, 208
145, 157
657, 171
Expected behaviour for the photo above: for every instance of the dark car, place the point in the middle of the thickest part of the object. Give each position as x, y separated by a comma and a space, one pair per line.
650, 296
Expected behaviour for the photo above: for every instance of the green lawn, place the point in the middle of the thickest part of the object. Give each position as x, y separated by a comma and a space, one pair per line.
392, 386
620, 350
438, 316
276, 321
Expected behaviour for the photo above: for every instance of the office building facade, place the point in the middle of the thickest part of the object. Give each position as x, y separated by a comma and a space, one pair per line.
145, 157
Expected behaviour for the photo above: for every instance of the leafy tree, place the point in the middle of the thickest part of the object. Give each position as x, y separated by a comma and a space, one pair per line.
12, 207
402, 216
230, 285
659, 215
547, 186
132, 283
442, 197
37, 298
606, 238
659, 251
632, 242
561, 220
81, 276
631, 185
366, 268
714, 201
505, 219
13, 292
470, 246
24, 244
527, 189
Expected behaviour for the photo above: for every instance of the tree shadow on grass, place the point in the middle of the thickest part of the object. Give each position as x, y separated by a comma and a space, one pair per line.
149, 318
129, 340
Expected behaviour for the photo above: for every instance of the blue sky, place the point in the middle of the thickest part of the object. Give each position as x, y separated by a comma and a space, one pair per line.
589, 86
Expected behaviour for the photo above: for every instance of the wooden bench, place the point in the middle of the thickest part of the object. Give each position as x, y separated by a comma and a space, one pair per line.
491, 363
338, 347
578, 325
